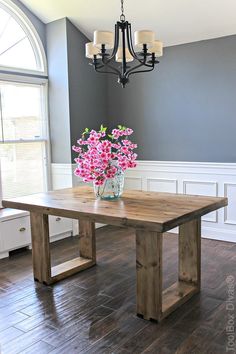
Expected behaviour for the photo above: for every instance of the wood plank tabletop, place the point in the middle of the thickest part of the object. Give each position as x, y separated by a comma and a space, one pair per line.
148, 210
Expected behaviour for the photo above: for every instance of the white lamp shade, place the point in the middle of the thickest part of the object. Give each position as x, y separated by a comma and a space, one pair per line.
103, 37
91, 50
119, 55
144, 37
157, 48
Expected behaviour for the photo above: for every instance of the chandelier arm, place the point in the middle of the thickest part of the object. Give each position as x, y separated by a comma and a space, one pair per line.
130, 43
110, 66
131, 47
96, 63
151, 66
106, 72
105, 64
96, 66
141, 71
116, 44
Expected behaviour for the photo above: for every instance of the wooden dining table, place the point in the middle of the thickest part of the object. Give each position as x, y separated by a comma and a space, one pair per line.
151, 214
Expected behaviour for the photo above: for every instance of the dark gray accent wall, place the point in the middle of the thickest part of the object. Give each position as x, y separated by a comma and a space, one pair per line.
186, 109
59, 109
87, 89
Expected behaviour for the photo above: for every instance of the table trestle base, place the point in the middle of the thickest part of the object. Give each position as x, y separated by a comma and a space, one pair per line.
152, 302
43, 272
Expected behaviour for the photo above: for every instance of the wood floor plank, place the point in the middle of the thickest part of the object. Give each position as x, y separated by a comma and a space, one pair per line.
26, 340
9, 334
11, 320
39, 347
78, 326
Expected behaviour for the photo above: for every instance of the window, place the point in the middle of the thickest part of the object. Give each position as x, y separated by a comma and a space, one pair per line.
23, 139
23, 101
21, 49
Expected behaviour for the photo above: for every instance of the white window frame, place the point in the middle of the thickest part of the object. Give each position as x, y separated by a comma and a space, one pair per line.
46, 137
26, 76
33, 37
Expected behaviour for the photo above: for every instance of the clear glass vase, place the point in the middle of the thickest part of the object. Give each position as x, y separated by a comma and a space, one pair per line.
112, 188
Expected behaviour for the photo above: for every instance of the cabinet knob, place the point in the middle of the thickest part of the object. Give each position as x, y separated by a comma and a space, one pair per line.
58, 219
22, 229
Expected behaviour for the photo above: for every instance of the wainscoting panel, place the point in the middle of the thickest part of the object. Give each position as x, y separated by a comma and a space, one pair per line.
203, 188
134, 183
212, 179
230, 212
162, 185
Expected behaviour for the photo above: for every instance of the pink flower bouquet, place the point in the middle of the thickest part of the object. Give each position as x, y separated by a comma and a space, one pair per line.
103, 157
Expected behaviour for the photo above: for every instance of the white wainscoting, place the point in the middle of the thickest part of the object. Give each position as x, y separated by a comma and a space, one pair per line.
212, 179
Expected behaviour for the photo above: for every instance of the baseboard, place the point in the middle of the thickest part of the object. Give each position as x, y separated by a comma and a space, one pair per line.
4, 255
59, 237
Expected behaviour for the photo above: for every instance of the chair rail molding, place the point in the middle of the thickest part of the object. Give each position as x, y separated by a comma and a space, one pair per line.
197, 178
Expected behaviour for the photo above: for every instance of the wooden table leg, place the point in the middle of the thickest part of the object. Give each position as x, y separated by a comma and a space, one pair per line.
87, 257
152, 302
190, 253
149, 274
189, 268
43, 272
40, 247
87, 241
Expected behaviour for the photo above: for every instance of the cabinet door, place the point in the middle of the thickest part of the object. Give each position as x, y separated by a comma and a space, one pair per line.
15, 233
59, 225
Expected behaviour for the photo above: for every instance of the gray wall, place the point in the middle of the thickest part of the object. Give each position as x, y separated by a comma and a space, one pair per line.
77, 95
186, 109
87, 89
59, 110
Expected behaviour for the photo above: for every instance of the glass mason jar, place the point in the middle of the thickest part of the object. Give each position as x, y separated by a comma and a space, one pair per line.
112, 188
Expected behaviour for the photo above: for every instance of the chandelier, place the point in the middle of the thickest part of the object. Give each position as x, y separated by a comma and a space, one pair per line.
108, 49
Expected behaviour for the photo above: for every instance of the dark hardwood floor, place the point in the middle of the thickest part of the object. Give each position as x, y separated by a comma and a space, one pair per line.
94, 311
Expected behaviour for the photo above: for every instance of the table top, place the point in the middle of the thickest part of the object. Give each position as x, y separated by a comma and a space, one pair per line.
148, 210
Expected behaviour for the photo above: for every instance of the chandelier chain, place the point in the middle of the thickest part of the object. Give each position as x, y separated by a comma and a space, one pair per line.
122, 16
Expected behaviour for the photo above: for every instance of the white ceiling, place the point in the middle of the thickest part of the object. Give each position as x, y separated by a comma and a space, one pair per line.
174, 21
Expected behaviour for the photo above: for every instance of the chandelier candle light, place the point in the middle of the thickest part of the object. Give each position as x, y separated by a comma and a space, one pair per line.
107, 48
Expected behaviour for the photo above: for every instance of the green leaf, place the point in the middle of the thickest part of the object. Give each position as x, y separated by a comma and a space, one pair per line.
86, 131
102, 129
121, 127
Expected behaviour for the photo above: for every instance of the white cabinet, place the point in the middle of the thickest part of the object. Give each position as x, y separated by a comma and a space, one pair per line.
59, 225
15, 230
15, 233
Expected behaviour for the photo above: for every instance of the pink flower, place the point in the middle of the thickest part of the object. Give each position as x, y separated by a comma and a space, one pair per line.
116, 146
77, 149
128, 131
125, 150
126, 142
96, 155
